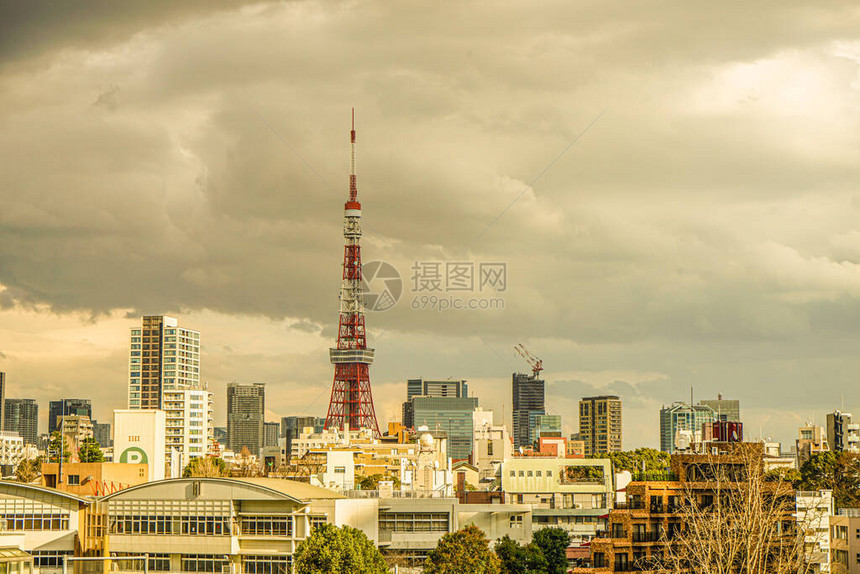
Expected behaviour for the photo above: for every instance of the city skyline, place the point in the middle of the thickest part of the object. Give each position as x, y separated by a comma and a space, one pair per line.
666, 216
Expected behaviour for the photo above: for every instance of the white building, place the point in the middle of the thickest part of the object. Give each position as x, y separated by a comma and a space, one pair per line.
573, 494
11, 449
492, 444
139, 437
814, 509
189, 429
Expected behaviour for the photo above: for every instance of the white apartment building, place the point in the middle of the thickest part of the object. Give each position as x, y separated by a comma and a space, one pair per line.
189, 426
814, 510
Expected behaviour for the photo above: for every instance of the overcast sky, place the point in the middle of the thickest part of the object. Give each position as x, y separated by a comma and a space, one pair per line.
672, 186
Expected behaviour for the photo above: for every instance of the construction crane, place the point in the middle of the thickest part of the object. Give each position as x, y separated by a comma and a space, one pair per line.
535, 363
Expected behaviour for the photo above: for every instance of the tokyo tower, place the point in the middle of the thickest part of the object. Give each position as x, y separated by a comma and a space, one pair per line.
351, 400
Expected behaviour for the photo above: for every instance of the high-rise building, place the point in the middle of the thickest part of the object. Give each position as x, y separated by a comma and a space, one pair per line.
726, 409
842, 434
101, 432
246, 408
528, 401
429, 388
162, 356
22, 416
600, 424
452, 415
67, 407
351, 403
683, 417
271, 432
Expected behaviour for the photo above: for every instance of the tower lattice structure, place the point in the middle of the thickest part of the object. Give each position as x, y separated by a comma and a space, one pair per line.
351, 400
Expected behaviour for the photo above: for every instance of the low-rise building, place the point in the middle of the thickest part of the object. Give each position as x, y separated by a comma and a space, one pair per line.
573, 494
93, 478
845, 540
49, 523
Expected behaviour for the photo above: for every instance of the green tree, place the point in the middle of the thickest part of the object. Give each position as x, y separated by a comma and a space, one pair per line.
553, 543
333, 550
466, 550
57, 443
655, 460
202, 467
516, 559
90, 451
783, 474
28, 470
371, 482
837, 471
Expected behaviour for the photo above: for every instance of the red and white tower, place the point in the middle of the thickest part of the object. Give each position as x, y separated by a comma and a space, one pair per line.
351, 400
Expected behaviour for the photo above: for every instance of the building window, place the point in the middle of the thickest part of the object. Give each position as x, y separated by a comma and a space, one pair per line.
513, 473
74, 479
413, 521
204, 562
516, 521
49, 558
318, 521
267, 525
53, 521
267, 564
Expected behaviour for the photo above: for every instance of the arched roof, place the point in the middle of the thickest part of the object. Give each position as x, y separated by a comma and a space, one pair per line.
26, 490
297, 492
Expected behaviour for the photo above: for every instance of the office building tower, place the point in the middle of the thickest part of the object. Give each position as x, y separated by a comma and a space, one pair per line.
726, 409
452, 415
162, 356
600, 424
246, 407
189, 426
270, 433
683, 417
22, 416
528, 401
430, 388
67, 407
842, 434
101, 432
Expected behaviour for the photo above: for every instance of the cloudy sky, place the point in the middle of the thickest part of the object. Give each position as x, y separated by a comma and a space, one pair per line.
672, 186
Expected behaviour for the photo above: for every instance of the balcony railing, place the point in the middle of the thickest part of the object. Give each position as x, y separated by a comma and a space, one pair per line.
646, 536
